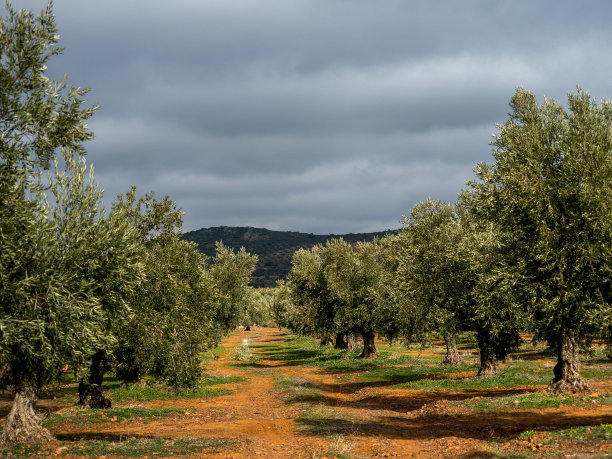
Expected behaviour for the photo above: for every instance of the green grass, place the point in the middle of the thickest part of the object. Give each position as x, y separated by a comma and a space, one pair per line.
536, 400
398, 367
601, 432
527, 434
88, 416
304, 351
324, 421
156, 391
139, 447
295, 389
134, 392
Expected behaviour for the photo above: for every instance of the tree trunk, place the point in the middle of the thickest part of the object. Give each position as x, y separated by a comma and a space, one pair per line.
352, 343
247, 328
488, 364
90, 396
22, 425
369, 347
452, 355
96, 373
567, 371
90, 392
341, 341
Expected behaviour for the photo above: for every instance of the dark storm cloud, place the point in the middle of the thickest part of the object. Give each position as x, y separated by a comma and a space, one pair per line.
321, 116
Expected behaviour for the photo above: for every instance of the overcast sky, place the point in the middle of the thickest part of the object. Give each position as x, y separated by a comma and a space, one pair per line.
323, 116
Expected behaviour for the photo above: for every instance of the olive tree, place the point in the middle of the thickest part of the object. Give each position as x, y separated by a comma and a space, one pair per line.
50, 314
549, 191
174, 307
432, 282
231, 273
497, 297
314, 308
354, 276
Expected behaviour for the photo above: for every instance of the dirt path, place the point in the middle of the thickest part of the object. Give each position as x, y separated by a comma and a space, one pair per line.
334, 418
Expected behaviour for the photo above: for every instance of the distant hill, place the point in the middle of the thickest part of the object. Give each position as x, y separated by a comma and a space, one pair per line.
274, 248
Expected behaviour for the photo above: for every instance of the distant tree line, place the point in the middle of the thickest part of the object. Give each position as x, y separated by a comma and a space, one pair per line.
274, 249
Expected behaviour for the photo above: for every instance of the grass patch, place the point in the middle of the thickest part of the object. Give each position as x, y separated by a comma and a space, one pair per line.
325, 421
536, 400
295, 389
22, 450
304, 351
135, 447
88, 416
517, 373
600, 432
122, 393
340, 447
135, 392
147, 447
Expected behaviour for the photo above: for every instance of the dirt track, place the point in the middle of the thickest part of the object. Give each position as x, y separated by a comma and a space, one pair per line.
365, 422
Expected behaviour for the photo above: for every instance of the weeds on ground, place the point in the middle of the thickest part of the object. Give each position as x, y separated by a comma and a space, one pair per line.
325, 420
536, 400
135, 392
134, 447
340, 446
151, 390
586, 441
295, 389
127, 414
244, 353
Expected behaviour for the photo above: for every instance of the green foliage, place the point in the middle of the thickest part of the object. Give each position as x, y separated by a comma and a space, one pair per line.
66, 274
174, 309
497, 291
274, 249
337, 289
53, 306
231, 272
433, 283
257, 306
314, 305
354, 276
549, 194
38, 115
282, 308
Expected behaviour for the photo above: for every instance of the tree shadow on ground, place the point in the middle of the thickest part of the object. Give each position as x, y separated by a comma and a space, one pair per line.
476, 426
293, 357
391, 402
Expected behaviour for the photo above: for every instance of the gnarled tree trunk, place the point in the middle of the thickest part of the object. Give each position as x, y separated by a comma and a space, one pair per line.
567, 370
452, 354
352, 343
369, 347
90, 396
90, 391
22, 425
341, 341
488, 363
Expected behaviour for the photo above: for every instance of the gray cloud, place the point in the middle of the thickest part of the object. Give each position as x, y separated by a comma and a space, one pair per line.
315, 115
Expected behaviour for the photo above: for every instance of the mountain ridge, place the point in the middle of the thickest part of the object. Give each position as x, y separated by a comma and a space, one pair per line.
274, 249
